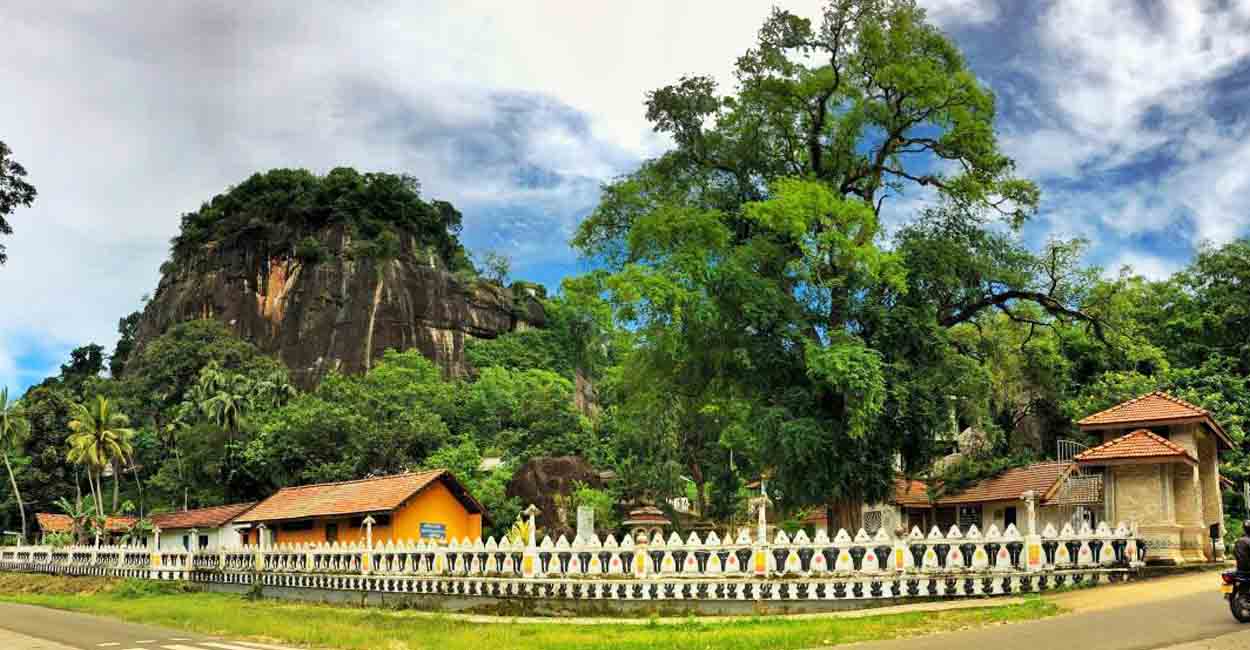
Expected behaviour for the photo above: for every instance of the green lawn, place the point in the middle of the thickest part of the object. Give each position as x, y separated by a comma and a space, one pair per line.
350, 628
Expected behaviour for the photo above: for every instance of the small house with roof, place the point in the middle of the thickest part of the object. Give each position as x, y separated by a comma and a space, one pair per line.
999, 500
115, 528
431, 505
1161, 468
203, 529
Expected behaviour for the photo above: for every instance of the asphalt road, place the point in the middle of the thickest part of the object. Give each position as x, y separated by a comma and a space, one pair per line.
24, 627
1199, 618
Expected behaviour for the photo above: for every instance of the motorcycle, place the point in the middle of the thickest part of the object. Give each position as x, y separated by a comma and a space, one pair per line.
1236, 589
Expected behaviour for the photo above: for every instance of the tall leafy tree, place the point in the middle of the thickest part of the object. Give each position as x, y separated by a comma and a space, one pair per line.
101, 439
749, 259
14, 431
15, 191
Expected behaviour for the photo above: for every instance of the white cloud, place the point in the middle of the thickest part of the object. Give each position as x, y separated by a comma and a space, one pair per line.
1143, 263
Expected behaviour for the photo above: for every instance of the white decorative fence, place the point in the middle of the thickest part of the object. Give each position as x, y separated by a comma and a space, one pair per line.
711, 568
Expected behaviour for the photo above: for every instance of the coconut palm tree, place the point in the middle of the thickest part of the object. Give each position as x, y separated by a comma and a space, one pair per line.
100, 438
14, 429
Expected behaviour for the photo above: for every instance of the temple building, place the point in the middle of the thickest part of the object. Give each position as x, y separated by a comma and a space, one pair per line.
1161, 470
1157, 468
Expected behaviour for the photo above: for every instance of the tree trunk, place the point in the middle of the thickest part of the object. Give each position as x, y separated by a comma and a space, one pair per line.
17, 494
138, 486
117, 481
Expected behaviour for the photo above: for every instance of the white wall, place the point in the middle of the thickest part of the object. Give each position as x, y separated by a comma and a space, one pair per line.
218, 538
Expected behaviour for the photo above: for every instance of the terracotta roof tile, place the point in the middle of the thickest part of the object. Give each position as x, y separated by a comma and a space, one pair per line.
1146, 408
214, 517
54, 523
910, 492
1007, 486
646, 515
1140, 444
381, 494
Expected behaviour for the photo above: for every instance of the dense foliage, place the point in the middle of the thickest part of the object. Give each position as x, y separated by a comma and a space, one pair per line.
282, 212
15, 191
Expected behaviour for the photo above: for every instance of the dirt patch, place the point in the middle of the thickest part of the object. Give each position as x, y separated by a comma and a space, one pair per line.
25, 584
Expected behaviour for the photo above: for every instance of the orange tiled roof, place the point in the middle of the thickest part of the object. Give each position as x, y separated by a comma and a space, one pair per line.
911, 492
1146, 408
214, 517
381, 494
54, 523
1138, 445
1154, 408
1007, 486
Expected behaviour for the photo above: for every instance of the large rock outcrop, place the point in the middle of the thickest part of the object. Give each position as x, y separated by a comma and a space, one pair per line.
336, 310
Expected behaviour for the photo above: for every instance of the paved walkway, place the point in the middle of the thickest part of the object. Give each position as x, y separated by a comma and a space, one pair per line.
25, 627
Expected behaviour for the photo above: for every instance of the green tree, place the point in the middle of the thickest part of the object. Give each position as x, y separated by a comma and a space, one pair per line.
497, 267
749, 260
15, 191
383, 422
14, 431
127, 330
101, 439
464, 460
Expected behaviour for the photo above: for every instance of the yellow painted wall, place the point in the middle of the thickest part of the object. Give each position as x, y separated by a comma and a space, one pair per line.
433, 505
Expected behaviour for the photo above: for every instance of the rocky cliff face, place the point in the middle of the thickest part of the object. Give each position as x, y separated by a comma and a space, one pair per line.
339, 311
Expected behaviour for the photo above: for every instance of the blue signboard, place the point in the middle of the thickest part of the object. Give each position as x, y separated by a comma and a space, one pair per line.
433, 531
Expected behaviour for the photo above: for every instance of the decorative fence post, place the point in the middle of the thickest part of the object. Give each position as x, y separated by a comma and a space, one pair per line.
154, 561
1032, 540
529, 558
260, 547
366, 563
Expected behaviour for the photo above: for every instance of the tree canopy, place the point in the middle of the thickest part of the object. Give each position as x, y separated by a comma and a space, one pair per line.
283, 211
15, 191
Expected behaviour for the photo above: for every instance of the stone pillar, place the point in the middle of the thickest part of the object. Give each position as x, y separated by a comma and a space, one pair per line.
759, 559
366, 562
156, 549
261, 543
1033, 559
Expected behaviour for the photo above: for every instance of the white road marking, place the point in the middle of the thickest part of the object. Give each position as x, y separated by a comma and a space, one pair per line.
179, 647
226, 646
108, 645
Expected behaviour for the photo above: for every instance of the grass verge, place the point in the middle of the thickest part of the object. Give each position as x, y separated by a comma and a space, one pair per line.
350, 628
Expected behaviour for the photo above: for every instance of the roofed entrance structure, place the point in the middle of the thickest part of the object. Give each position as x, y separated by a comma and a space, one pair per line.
1160, 458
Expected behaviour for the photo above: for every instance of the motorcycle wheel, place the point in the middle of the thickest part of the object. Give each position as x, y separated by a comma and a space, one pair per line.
1239, 603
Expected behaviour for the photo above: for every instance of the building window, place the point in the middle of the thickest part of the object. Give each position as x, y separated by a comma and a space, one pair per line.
186, 542
969, 516
203, 542
1009, 516
297, 525
332, 533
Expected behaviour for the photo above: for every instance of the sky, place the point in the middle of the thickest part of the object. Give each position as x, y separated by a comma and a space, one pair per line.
1132, 116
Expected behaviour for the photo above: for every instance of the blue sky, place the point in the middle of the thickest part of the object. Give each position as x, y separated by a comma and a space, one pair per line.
1131, 115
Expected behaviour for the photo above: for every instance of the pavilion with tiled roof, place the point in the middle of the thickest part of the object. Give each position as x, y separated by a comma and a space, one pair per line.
1160, 461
